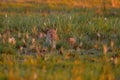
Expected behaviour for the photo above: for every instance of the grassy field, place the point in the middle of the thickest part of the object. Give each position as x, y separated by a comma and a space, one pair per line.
96, 55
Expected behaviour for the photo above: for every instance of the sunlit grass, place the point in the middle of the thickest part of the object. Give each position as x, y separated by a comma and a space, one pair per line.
88, 47
57, 67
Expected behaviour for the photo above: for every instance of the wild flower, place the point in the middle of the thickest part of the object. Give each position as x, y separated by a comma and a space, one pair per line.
45, 24
98, 35
105, 19
72, 40
33, 40
21, 48
104, 49
27, 36
41, 35
24, 41
111, 44
12, 40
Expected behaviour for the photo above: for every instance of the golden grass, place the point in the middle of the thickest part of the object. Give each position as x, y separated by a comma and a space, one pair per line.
70, 3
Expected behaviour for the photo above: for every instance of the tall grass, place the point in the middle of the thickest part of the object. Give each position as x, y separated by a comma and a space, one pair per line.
97, 37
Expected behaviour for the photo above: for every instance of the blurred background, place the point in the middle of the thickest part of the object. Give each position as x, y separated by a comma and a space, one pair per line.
77, 3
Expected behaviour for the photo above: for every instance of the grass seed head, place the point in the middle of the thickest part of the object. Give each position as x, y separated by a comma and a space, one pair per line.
72, 40
104, 49
21, 48
12, 40
27, 36
33, 40
6, 15
98, 35
112, 44
41, 35
24, 41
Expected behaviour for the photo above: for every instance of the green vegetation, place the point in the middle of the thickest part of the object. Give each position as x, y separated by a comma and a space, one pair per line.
97, 56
